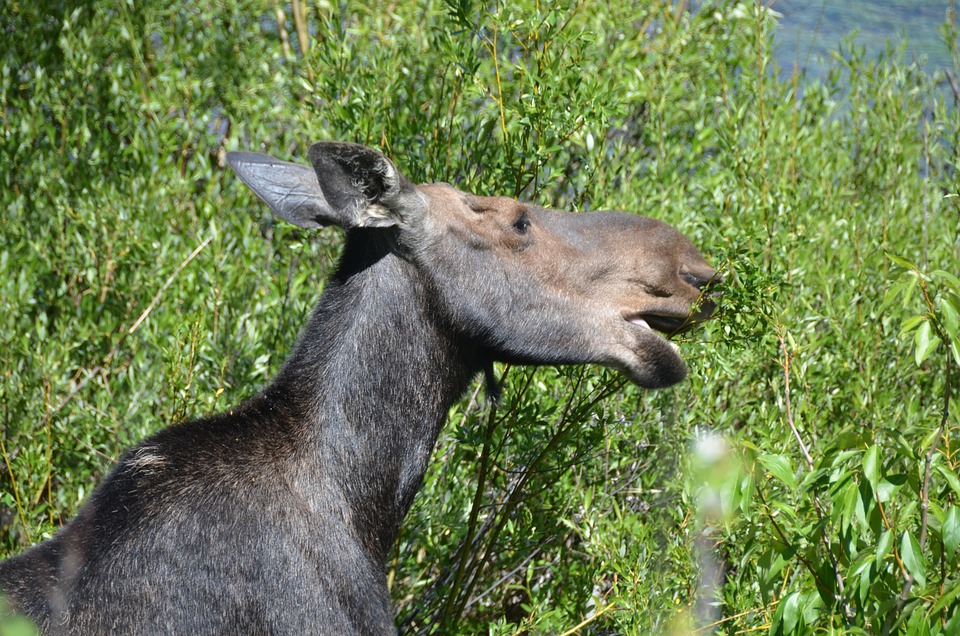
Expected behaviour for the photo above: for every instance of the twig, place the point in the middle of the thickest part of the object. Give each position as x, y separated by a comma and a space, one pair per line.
16, 490
847, 610
282, 30
100, 368
523, 564
515, 495
153, 303
483, 465
600, 612
786, 397
951, 78
303, 34
783, 537
927, 467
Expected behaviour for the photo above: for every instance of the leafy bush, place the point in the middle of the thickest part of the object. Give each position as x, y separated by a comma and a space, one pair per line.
141, 284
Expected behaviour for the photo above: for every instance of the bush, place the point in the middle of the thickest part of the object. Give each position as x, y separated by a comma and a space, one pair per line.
140, 284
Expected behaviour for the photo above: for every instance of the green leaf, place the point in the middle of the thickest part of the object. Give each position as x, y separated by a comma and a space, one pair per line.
865, 575
912, 557
902, 262
903, 444
772, 563
918, 625
896, 290
883, 545
909, 324
811, 608
949, 597
947, 276
950, 476
865, 503
888, 488
791, 612
951, 315
925, 341
950, 531
850, 498
781, 468
871, 466
814, 479
953, 625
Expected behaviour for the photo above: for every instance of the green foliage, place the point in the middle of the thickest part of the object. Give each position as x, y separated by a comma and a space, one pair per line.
140, 284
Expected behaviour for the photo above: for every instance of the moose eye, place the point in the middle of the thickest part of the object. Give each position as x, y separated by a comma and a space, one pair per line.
522, 224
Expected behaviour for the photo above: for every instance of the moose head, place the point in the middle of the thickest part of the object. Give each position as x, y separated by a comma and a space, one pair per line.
528, 284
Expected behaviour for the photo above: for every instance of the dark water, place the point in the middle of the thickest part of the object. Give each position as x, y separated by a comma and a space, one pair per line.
810, 30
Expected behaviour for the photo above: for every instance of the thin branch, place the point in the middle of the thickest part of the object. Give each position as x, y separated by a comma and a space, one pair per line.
838, 577
786, 397
515, 496
282, 30
153, 303
508, 575
483, 466
100, 368
896, 610
16, 490
589, 619
952, 79
783, 537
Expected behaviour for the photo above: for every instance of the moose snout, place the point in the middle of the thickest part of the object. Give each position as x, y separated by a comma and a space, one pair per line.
709, 282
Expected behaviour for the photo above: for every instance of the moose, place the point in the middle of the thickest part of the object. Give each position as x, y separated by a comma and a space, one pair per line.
277, 516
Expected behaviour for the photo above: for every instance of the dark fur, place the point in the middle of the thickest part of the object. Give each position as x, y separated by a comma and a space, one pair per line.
278, 516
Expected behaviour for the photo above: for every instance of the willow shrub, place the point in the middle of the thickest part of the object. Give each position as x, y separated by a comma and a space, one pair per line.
803, 480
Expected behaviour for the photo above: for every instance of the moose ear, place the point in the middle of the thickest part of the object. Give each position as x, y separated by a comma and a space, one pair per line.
363, 184
349, 185
290, 189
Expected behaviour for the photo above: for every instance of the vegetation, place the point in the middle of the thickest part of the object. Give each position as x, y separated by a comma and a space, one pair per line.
812, 456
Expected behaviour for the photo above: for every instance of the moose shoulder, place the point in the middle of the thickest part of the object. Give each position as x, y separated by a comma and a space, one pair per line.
277, 516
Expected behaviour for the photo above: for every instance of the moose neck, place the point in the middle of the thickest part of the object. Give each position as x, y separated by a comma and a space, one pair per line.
376, 373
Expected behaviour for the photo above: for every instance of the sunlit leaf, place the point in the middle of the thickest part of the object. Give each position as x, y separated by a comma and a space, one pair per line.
791, 612
950, 531
884, 544
850, 498
887, 488
909, 324
951, 315
902, 262
912, 557
871, 466
895, 290
811, 608
925, 342
781, 468
949, 277
950, 477
949, 597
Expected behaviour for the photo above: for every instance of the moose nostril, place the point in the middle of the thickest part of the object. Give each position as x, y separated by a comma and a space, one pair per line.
714, 280
695, 280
